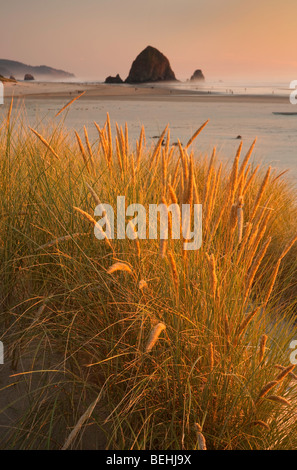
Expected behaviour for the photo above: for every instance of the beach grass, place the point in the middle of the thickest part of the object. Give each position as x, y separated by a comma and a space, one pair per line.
151, 346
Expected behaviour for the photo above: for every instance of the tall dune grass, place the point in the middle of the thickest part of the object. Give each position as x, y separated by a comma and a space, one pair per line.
155, 346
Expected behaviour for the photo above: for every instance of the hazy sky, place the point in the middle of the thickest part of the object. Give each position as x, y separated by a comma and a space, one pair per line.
96, 38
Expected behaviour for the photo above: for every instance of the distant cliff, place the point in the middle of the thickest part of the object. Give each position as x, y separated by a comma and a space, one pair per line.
40, 72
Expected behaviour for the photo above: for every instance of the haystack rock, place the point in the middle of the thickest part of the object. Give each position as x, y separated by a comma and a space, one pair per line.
197, 76
150, 66
116, 79
28, 76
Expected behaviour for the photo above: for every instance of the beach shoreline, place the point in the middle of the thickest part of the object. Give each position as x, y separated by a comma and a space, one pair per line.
142, 92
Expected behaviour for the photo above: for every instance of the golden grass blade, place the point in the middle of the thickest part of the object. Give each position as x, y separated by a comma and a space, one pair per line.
56, 241
248, 229
93, 193
172, 194
103, 142
93, 221
212, 159
201, 443
190, 189
9, 113
139, 148
279, 400
212, 270
207, 185
118, 154
81, 421
291, 374
284, 373
176, 174
184, 161
272, 282
276, 269
121, 143
211, 356
88, 145
260, 423
253, 243
264, 390
163, 247
119, 267
250, 180
246, 159
133, 235
126, 139
196, 134
82, 151
164, 171
174, 272
86, 215
280, 175
154, 336
240, 219
288, 247
133, 170
158, 146
48, 146
196, 194
109, 138
255, 267
211, 195
260, 193
69, 103
142, 284
234, 174
247, 320
262, 347
167, 144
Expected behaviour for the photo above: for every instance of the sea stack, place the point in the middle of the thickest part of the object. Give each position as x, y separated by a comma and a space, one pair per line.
28, 76
116, 79
197, 76
150, 66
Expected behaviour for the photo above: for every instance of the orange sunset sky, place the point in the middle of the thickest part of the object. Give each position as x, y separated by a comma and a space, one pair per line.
252, 39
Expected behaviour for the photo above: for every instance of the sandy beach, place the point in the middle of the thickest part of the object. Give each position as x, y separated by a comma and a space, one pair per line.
151, 92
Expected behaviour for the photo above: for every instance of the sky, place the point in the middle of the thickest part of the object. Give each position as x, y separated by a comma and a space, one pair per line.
252, 39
